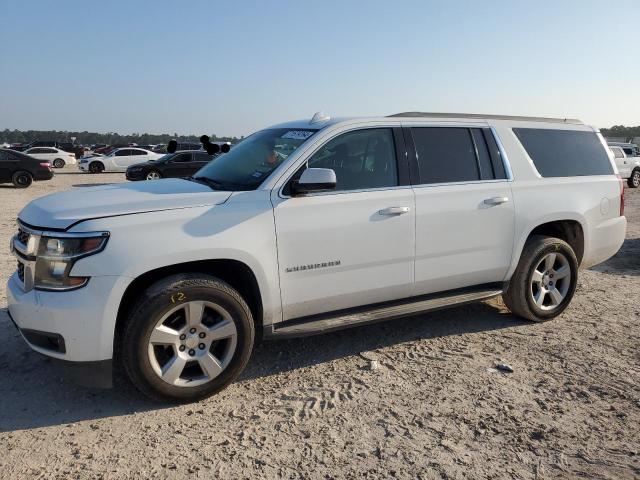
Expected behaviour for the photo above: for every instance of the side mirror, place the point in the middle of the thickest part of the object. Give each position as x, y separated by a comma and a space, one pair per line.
314, 180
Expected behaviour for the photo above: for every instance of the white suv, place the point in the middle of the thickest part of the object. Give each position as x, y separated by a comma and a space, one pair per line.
307, 227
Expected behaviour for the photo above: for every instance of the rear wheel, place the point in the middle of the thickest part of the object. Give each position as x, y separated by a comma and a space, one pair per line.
58, 163
153, 175
96, 167
634, 179
22, 179
544, 281
187, 337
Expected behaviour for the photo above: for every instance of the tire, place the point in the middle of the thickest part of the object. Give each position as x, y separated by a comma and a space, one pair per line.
58, 163
96, 167
634, 180
163, 308
22, 179
525, 289
153, 175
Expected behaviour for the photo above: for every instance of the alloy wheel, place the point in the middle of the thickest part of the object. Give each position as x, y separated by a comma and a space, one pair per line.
192, 343
635, 180
550, 281
153, 175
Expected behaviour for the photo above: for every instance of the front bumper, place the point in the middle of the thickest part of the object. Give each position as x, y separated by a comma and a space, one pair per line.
135, 176
84, 319
84, 167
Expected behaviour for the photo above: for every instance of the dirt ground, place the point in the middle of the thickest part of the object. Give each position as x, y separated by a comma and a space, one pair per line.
412, 398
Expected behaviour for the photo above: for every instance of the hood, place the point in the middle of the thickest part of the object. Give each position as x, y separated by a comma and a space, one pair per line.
61, 210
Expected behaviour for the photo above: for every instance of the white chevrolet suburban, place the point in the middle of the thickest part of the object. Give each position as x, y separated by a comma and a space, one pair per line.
307, 227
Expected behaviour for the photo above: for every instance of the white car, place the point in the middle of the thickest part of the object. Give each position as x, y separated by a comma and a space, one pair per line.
58, 158
628, 166
311, 226
117, 161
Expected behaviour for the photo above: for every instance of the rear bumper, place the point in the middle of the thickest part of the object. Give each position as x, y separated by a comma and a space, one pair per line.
604, 241
43, 175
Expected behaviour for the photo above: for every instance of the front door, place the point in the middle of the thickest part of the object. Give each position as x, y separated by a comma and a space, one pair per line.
353, 246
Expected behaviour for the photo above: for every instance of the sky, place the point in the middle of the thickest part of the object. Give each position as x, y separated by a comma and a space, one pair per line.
233, 67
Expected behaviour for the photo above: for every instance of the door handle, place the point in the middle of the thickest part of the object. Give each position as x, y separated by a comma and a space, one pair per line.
394, 210
496, 200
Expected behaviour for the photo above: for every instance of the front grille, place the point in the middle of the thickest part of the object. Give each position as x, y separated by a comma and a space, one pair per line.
23, 237
21, 271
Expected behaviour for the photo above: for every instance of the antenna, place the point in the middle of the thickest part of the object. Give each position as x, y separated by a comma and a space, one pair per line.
319, 117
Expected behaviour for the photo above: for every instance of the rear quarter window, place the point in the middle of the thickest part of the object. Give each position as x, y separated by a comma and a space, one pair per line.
565, 153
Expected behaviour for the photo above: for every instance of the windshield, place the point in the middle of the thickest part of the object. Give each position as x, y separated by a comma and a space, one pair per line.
252, 160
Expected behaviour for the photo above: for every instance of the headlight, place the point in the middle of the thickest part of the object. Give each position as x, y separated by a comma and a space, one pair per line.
134, 169
57, 255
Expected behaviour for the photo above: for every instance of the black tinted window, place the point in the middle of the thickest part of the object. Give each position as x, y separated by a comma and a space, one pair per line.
202, 157
123, 153
445, 155
628, 151
484, 158
138, 152
361, 159
181, 158
565, 153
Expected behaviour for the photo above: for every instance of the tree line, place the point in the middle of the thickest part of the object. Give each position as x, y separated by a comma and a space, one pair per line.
111, 138
621, 131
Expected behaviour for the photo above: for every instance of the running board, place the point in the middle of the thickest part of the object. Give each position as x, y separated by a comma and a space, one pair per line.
323, 323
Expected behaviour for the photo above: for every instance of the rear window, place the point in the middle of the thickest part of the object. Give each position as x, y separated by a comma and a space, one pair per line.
565, 153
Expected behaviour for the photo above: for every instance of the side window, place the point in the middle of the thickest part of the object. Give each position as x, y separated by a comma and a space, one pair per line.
445, 154
565, 153
4, 156
628, 151
123, 153
138, 152
361, 159
181, 158
49, 150
202, 157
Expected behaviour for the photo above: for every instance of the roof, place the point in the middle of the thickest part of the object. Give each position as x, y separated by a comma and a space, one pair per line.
485, 116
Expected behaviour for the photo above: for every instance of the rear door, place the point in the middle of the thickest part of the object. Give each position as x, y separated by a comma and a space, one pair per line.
464, 207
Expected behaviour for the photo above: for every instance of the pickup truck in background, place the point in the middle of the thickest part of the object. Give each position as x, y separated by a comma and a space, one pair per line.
628, 166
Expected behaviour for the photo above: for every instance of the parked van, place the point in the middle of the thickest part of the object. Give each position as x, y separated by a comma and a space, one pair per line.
311, 226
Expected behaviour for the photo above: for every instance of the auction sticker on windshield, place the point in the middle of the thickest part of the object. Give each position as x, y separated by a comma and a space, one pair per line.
298, 134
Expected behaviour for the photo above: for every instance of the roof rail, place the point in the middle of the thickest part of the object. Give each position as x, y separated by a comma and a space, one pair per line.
488, 117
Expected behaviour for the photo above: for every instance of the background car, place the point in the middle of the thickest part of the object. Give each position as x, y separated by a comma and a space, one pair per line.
57, 157
117, 161
21, 169
183, 163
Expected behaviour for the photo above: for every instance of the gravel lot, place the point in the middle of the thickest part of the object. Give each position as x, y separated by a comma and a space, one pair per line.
412, 398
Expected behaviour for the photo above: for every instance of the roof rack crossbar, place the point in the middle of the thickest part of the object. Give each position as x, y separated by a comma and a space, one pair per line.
488, 117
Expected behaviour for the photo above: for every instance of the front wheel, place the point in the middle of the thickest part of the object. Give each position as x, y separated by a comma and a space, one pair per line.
634, 179
153, 175
544, 281
187, 337
96, 167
